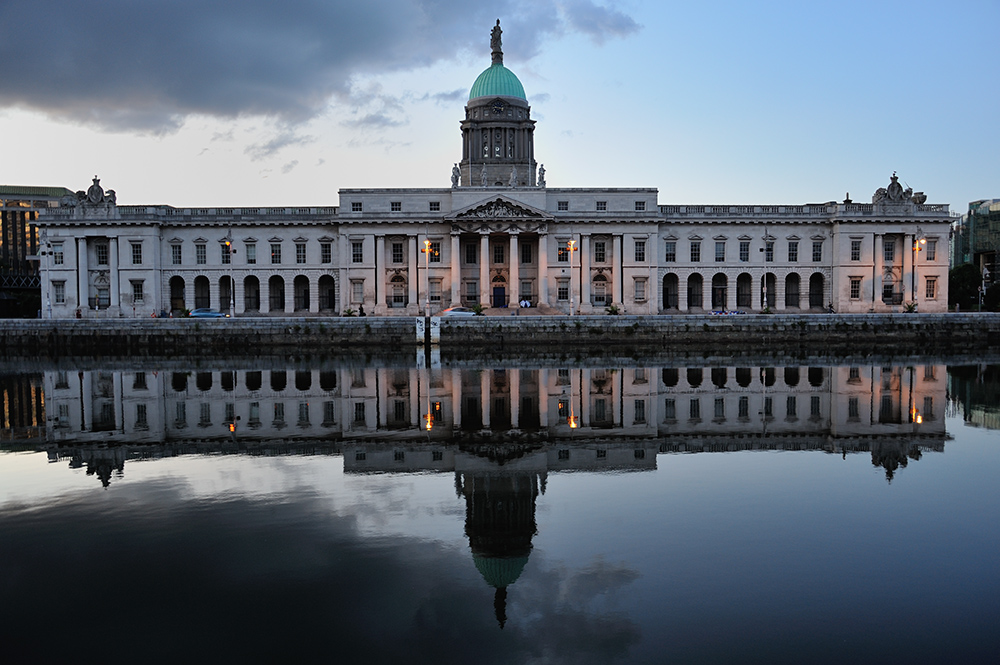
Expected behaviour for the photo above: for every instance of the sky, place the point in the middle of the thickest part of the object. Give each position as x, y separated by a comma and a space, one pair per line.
260, 103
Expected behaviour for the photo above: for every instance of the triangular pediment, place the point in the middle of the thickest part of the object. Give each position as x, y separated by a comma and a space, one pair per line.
500, 207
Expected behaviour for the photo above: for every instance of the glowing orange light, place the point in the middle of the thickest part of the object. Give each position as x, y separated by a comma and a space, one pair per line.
232, 427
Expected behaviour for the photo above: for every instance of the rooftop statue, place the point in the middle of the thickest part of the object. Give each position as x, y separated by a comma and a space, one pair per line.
495, 44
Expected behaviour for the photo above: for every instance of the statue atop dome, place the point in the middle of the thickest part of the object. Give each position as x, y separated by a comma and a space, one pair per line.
495, 44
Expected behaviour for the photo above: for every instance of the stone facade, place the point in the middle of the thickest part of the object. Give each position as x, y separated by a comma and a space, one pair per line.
499, 236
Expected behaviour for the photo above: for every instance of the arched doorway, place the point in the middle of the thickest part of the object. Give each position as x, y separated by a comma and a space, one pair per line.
251, 294
600, 291
816, 291
695, 289
327, 293
671, 291
202, 292
397, 292
177, 294
719, 291
744, 290
792, 286
300, 287
226, 294
276, 294
499, 293
768, 290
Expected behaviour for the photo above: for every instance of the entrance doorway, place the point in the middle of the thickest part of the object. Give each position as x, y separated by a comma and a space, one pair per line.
499, 296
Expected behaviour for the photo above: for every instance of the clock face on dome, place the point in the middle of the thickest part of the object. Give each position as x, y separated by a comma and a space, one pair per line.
498, 107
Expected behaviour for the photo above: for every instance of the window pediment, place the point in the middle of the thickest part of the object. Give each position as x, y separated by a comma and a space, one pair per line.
274, 239
199, 239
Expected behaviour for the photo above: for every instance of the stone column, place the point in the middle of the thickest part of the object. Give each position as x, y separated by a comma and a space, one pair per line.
731, 293
379, 284
682, 292
514, 376
908, 267
779, 292
456, 398
116, 383
484, 269
417, 399
114, 272
617, 286
343, 273
456, 270
485, 377
412, 274
584, 398
82, 275
543, 398
514, 296
543, 269
584, 253
878, 257
87, 399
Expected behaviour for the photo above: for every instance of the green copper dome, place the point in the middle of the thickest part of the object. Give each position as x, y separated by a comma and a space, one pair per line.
497, 81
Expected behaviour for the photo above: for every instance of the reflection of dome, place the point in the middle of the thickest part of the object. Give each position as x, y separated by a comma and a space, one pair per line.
499, 572
497, 81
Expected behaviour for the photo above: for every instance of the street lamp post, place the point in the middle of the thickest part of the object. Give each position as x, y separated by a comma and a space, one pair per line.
918, 242
427, 251
571, 247
232, 278
982, 287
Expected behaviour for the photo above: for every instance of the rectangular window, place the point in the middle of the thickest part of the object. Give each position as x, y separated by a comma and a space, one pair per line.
769, 251
671, 252
669, 409
562, 291
640, 290
435, 206
359, 412
230, 412
600, 251
853, 413
640, 251
744, 407
720, 407
396, 206
932, 250
139, 381
279, 413
814, 406
175, 255
141, 418
526, 254
357, 252
817, 251
357, 291
720, 251
791, 407
527, 290
303, 413
563, 206
793, 251
931, 291
855, 288
300, 252
137, 295
356, 206
472, 290
695, 251
471, 254
325, 252
498, 253
744, 251
275, 253
397, 252
200, 256
329, 413
59, 292
435, 256
855, 250
180, 413
562, 254
640, 206
58, 258
640, 411
694, 408
205, 414
435, 290
602, 206
137, 253
889, 250
768, 407
102, 255
224, 254
251, 253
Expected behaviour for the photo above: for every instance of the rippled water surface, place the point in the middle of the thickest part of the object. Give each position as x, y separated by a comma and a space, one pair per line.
544, 515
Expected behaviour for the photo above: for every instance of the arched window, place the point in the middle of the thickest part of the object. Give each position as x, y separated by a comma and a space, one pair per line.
599, 296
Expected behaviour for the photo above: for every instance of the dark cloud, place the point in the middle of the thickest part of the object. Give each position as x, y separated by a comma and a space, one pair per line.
284, 138
127, 65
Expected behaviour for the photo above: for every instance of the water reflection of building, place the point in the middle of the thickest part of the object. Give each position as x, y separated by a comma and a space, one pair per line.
974, 390
22, 407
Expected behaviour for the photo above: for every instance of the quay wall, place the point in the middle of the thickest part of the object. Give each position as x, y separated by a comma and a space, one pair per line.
917, 334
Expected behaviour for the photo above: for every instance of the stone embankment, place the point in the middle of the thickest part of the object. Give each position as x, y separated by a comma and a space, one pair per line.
854, 334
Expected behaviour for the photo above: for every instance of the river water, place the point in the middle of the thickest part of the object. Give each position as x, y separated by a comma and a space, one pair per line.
522, 514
